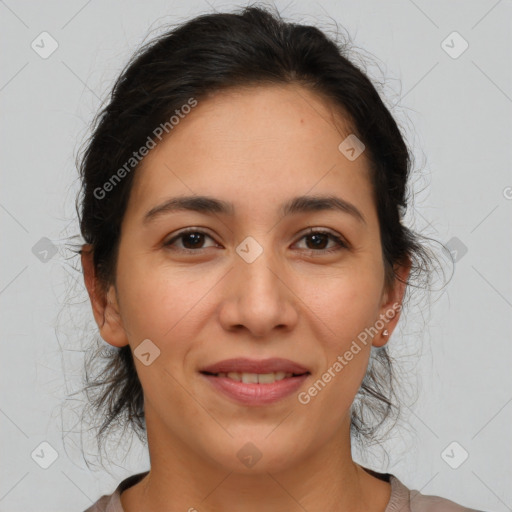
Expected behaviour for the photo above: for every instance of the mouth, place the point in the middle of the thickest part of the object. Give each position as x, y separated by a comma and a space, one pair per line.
241, 365
252, 382
255, 378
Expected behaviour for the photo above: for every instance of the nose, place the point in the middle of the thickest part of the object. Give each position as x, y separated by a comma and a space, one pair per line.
258, 297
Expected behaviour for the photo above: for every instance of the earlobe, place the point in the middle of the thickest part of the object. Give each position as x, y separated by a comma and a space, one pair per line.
391, 308
104, 305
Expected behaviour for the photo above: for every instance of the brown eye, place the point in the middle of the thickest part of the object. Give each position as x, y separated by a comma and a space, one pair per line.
192, 240
318, 240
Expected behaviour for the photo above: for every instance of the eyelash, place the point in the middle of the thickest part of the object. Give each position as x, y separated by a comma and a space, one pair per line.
341, 244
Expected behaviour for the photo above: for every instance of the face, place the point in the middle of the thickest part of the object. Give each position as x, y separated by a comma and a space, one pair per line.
252, 281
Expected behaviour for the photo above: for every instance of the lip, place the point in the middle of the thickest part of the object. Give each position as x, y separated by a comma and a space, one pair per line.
253, 393
244, 365
256, 394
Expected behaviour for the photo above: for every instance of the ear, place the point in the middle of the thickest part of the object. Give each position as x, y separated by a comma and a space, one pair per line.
104, 306
392, 299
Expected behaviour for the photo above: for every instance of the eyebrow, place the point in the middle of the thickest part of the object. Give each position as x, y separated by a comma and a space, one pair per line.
211, 205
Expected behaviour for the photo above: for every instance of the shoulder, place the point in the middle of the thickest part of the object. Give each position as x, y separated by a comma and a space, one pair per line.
107, 503
402, 499
411, 500
112, 502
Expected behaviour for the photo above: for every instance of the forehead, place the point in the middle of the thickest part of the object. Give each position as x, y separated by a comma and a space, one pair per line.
255, 118
267, 142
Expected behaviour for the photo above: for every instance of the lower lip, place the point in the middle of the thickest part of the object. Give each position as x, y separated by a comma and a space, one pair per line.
256, 394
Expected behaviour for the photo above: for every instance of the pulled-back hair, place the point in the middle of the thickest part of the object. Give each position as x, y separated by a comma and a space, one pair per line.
210, 53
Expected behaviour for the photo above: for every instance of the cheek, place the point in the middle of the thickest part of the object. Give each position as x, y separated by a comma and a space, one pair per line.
162, 304
345, 303
168, 308
342, 311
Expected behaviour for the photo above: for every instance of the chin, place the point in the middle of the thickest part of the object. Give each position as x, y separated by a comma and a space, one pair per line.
257, 454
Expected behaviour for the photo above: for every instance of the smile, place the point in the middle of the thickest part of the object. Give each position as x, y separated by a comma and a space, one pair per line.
255, 389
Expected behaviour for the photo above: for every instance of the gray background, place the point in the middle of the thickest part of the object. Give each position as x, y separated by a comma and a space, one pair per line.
456, 113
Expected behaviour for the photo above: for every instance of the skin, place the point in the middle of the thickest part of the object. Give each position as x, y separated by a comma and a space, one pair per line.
255, 147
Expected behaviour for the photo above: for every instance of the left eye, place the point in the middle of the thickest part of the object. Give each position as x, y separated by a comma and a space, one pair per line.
192, 240
319, 238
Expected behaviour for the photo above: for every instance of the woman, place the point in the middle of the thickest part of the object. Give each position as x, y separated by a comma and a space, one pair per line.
243, 194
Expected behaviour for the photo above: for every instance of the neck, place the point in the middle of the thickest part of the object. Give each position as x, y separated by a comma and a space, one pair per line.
183, 479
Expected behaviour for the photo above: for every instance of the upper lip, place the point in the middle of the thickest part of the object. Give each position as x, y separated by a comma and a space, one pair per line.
243, 365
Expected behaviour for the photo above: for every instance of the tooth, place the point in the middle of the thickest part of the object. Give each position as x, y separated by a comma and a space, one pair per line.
250, 378
255, 378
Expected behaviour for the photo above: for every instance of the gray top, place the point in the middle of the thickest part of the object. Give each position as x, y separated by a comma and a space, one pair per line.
402, 499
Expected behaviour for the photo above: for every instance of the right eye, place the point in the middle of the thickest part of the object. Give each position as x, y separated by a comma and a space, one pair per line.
192, 237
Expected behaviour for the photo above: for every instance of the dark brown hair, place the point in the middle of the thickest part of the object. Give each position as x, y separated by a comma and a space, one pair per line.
212, 52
